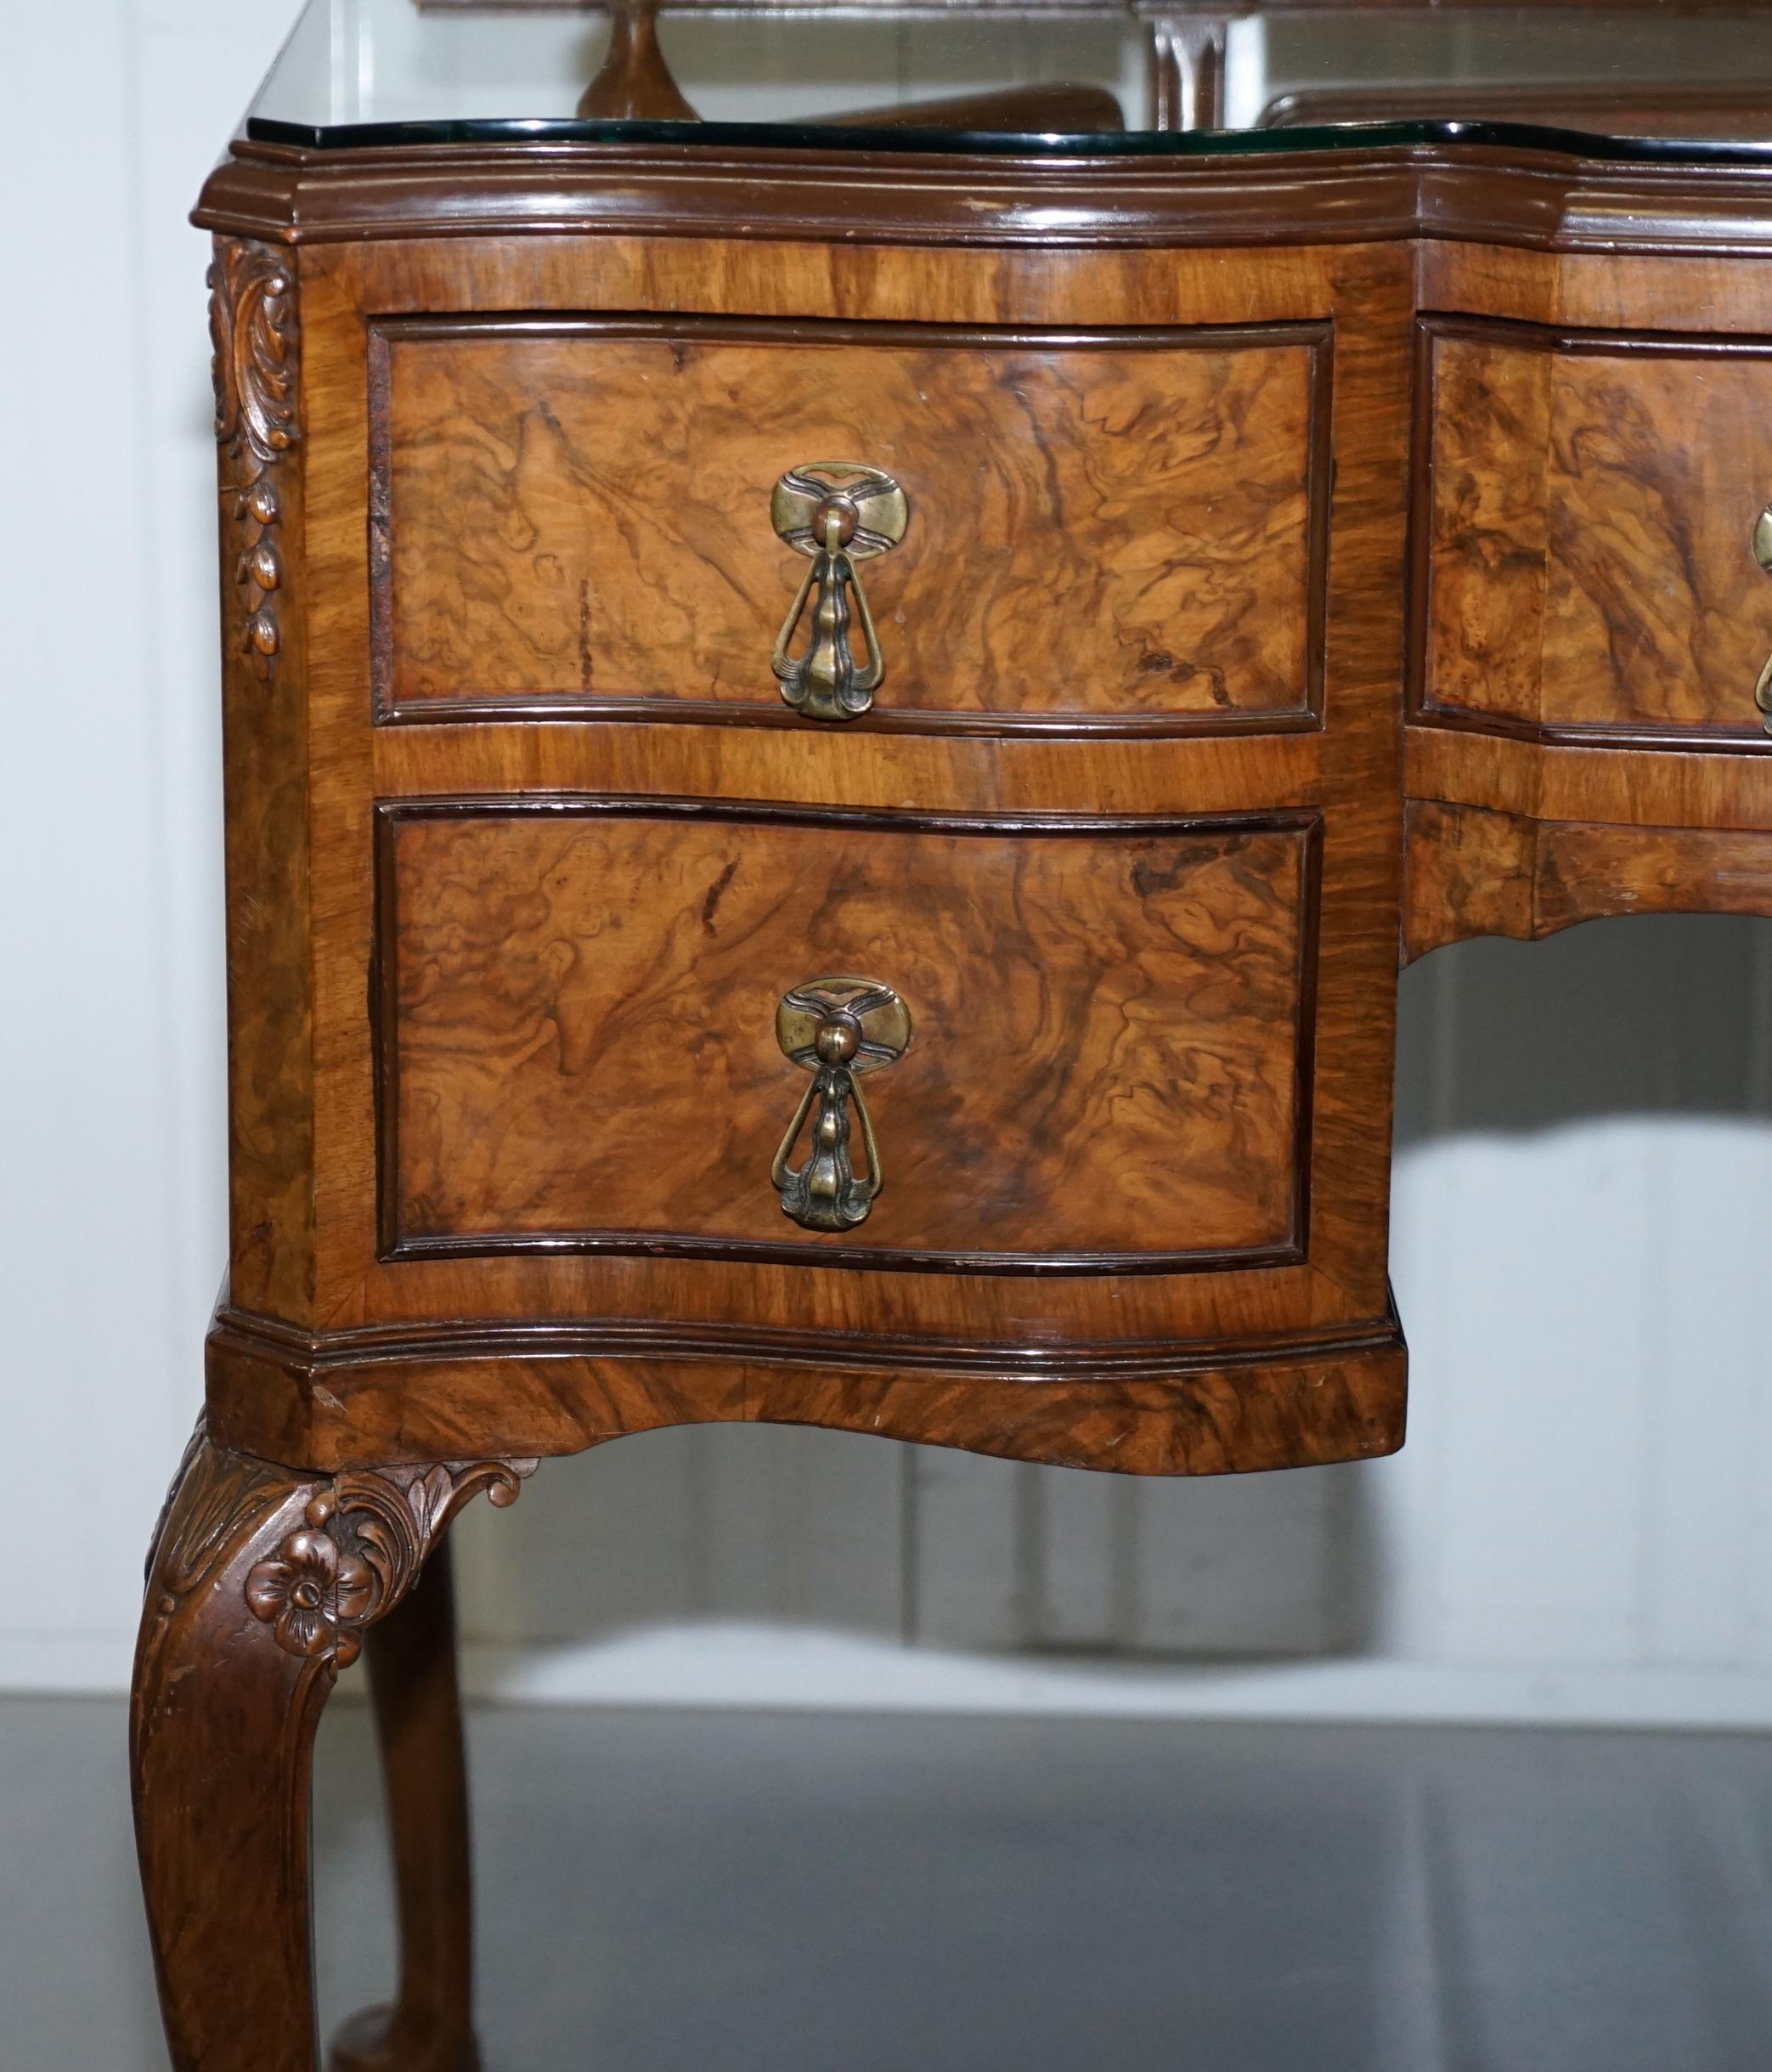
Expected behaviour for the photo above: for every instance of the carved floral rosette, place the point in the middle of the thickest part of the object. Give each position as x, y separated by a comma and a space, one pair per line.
252, 323
363, 1542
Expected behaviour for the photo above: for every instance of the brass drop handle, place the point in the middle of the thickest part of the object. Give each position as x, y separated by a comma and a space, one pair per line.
837, 1029
1763, 555
839, 512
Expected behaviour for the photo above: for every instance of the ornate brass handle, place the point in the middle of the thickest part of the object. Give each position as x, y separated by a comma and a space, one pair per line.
840, 512
1763, 555
837, 1029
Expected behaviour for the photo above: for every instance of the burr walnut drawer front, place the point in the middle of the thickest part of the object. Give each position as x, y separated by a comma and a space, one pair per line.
1123, 530
670, 1027
1592, 533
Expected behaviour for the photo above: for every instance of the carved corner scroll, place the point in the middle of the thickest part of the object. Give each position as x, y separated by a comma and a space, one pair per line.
343, 1553
362, 1542
252, 322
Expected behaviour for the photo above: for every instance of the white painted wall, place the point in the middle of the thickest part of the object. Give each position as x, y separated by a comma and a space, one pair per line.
1581, 1527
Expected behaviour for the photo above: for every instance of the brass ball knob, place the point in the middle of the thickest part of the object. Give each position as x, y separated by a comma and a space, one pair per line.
838, 1041
837, 513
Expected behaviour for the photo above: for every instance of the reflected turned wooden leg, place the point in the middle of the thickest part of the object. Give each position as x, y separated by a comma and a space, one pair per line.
411, 1660
261, 1585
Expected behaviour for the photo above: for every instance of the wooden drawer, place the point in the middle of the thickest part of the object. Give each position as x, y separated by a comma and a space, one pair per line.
1109, 1064
1117, 531
1585, 507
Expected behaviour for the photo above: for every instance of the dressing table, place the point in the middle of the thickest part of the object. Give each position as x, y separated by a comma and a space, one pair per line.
839, 708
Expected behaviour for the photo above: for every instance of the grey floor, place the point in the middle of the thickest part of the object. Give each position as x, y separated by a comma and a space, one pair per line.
727, 1893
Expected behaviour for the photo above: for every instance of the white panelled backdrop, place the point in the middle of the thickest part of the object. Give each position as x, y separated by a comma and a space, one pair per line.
1580, 1528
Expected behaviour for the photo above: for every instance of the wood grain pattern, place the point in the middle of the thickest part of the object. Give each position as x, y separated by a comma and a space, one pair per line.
576, 516
1601, 288
1487, 524
1637, 787
1110, 1031
1585, 872
1658, 613
1159, 1408
1472, 873
1591, 504
1465, 873
256, 331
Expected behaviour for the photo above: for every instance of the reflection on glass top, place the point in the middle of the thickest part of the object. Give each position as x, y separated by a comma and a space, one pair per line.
1034, 76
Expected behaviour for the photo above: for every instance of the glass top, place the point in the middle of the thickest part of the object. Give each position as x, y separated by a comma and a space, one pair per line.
1656, 79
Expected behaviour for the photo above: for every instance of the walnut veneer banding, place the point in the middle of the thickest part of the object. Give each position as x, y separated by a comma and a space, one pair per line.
1109, 1063
1153, 1410
1122, 530
1585, 523
256, 331
1475, 872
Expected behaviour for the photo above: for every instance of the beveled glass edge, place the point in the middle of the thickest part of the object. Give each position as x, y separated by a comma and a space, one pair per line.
849, 138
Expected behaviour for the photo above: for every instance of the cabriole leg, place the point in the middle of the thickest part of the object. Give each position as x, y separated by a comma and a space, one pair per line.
413, 1681
260, 1585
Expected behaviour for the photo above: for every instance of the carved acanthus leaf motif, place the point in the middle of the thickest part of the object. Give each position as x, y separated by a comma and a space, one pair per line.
364, 1539
217, 1500
252, 322
213, 1495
